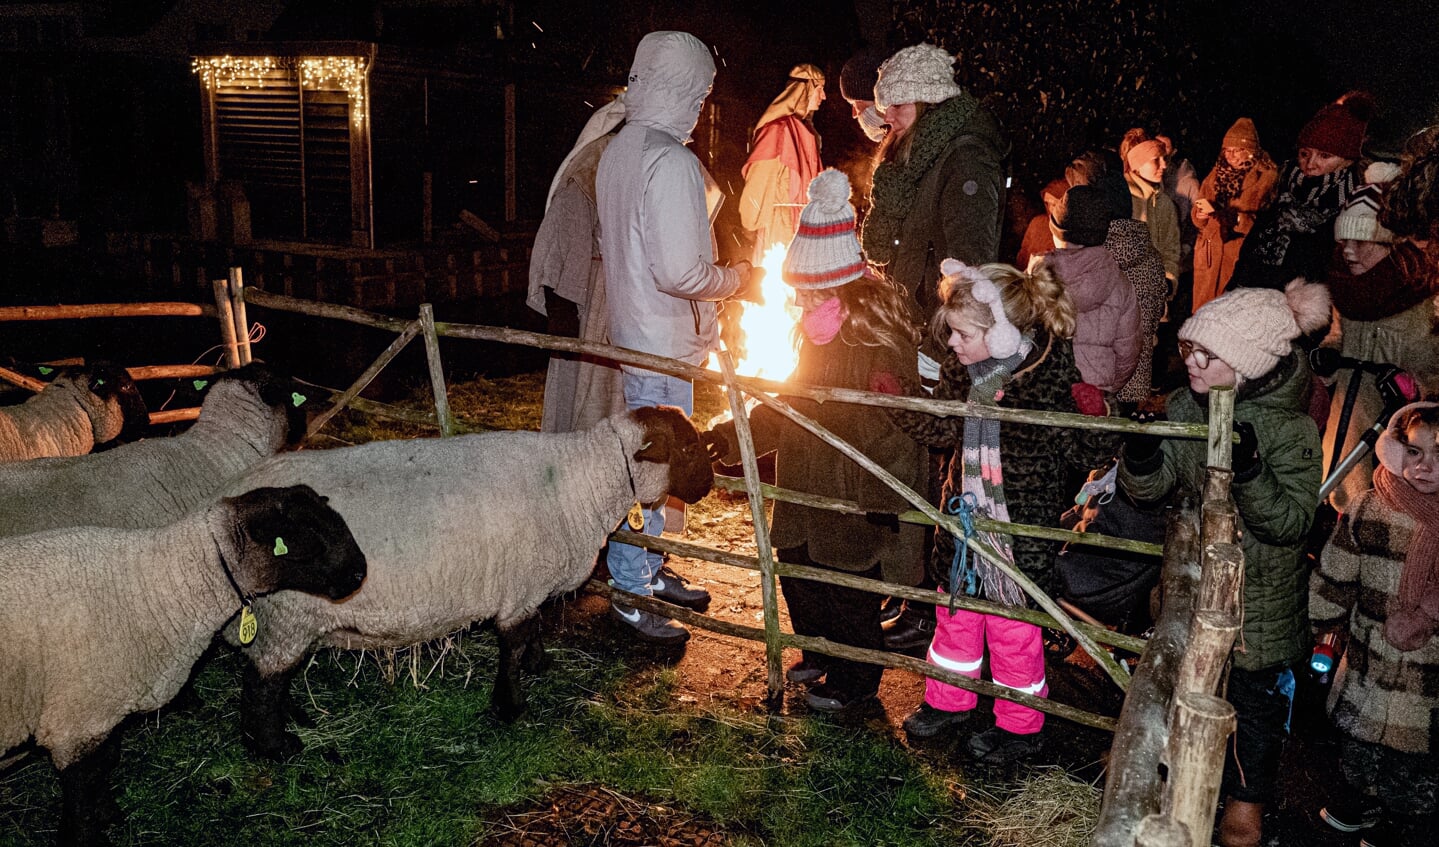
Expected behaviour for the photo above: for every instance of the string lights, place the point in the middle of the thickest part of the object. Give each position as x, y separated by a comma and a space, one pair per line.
217, 71
317, 73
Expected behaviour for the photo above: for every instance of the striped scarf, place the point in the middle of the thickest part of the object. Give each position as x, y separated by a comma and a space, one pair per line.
983, 477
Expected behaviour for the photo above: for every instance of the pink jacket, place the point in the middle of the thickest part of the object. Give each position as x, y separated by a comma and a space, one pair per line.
1106, 339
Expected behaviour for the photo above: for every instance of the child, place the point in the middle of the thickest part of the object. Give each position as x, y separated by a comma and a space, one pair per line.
855, 333
1009, 333
1378, 585
1245, 340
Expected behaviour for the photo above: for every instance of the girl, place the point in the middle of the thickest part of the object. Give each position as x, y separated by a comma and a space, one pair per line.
1008, 333
855, 333
1245, 339
1144, 166
1378, 583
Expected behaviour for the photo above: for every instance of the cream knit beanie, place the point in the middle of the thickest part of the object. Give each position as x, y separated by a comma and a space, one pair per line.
1251, 329
923, 73
1359, 220
825, 252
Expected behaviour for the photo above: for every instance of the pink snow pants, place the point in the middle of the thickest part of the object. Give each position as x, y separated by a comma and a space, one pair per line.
1016, 660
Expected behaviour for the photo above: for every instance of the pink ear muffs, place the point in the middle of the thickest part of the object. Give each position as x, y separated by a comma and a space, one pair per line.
1002, 339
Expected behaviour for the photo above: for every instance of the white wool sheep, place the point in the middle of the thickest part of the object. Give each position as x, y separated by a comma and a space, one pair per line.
459, 530
97, 624
247, 415
74, 413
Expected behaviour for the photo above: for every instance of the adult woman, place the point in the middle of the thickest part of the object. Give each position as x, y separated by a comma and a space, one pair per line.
939, 188
783, 159
1240, 186
1144, 166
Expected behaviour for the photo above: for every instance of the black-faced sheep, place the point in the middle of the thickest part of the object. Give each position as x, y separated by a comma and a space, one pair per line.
248, 414
97, 624
77, 411
459, 530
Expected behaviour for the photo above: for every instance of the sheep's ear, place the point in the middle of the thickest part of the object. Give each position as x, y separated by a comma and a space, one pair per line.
654, 450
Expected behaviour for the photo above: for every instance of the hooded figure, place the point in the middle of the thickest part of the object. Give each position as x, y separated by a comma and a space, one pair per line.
783, 159
661, 280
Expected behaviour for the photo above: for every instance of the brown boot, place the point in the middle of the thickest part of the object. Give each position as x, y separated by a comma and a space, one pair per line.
1242, 824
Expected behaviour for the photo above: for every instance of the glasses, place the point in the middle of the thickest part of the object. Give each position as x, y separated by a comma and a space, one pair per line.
1201, 356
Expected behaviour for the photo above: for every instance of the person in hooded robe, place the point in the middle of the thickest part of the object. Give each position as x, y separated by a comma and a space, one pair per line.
784, 157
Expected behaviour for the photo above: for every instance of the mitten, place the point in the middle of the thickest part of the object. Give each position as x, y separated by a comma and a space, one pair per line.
1245, 461
1141, 450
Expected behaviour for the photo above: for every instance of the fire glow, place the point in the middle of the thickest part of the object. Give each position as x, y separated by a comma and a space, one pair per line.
768, 328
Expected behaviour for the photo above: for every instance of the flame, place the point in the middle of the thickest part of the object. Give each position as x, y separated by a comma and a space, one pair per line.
770, 350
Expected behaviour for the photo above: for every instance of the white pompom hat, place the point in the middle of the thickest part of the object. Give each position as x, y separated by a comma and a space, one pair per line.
825, 252
1251, 329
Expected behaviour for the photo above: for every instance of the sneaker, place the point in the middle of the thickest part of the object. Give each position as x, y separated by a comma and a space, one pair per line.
668, 587
648, 626
1352, 812
804, 673
927, 721
823, 698
997, 746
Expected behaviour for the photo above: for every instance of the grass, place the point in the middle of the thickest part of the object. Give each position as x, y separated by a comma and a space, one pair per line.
403, 751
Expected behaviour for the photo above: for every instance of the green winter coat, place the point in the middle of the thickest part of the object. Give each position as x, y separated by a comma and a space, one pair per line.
1275, 501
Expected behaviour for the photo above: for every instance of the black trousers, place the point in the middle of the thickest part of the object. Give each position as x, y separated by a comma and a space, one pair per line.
841, 614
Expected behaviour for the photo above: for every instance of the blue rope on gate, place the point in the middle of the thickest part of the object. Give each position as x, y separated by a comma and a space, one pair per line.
962, 571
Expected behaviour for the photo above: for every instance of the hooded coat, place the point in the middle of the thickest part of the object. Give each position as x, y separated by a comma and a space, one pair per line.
1275, 502
1158, 211
1106, 335
660, 275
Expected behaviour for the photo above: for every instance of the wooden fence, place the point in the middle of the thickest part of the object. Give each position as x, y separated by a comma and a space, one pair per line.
1171, 713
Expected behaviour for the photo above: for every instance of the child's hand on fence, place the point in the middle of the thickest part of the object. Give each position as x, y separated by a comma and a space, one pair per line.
1245, 461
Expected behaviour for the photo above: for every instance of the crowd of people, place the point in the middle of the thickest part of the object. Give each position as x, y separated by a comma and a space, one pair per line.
1257, 264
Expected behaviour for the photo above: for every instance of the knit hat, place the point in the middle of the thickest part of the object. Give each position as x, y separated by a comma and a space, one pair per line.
825, 252
1084, 216
860, 73
923, 73
1242, 135
1338, 129
1251, 329
1359, 219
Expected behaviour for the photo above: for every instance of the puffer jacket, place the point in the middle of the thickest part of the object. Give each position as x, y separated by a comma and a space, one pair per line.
1275, 501
661, 279
1106, 335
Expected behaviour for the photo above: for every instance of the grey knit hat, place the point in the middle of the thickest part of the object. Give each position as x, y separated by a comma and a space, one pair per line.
1359, 219
825, 252
923, 73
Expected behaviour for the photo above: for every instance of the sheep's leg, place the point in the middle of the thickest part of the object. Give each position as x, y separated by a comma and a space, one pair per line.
87, 804
264, 711
535, 659
517, 639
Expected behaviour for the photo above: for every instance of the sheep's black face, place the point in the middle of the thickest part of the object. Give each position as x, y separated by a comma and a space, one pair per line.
307, 545
280, 393
672, 439
113, 383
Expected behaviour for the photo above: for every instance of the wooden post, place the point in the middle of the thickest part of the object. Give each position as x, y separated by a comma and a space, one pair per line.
773, 649
1132, 786
27, 382
1221, 581
1211, 637
364, 379
1217, 482
1195, 755
237, 306
227, 323
1221, 427
1161, 831
437, 371
510, 153
1219, 519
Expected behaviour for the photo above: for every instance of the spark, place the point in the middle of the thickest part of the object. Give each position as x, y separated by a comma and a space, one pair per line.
588, 103
537, 26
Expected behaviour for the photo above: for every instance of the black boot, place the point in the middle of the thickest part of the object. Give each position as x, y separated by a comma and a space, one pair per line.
912, 630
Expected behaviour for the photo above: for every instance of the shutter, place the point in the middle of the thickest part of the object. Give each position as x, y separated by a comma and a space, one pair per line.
327, 164
257, 126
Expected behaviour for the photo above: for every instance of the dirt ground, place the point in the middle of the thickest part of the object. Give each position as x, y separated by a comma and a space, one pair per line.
719, 669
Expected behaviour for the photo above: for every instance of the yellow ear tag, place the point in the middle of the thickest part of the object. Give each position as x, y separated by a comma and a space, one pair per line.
248, 625
636, 517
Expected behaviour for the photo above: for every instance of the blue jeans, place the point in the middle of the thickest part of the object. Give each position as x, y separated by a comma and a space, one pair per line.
633, 568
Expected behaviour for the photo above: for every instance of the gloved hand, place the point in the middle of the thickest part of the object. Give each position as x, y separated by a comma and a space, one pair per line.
751, 278
716, 444
1141, 449
1245, 461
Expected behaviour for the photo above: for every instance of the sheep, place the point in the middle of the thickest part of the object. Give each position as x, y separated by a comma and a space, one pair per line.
76, 412
98, 623
459, 530
247, 415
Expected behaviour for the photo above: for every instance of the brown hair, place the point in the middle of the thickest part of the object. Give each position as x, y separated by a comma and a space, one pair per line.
878, 314
896, 146
1030, 300
1414, 416
1410, 208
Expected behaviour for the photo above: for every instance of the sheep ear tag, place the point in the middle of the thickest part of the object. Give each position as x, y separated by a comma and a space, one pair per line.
44, 371
636, 517
200, 384
280, 548
298, 399
248, 625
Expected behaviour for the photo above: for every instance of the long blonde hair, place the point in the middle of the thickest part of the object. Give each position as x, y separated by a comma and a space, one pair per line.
1030, 300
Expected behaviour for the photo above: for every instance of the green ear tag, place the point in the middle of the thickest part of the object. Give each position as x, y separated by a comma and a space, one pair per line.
636, 517
248, 625
298, 398
280, 548
99, 382
200, 384
44, 371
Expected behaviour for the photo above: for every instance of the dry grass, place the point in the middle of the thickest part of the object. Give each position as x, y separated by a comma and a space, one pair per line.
1050, 809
